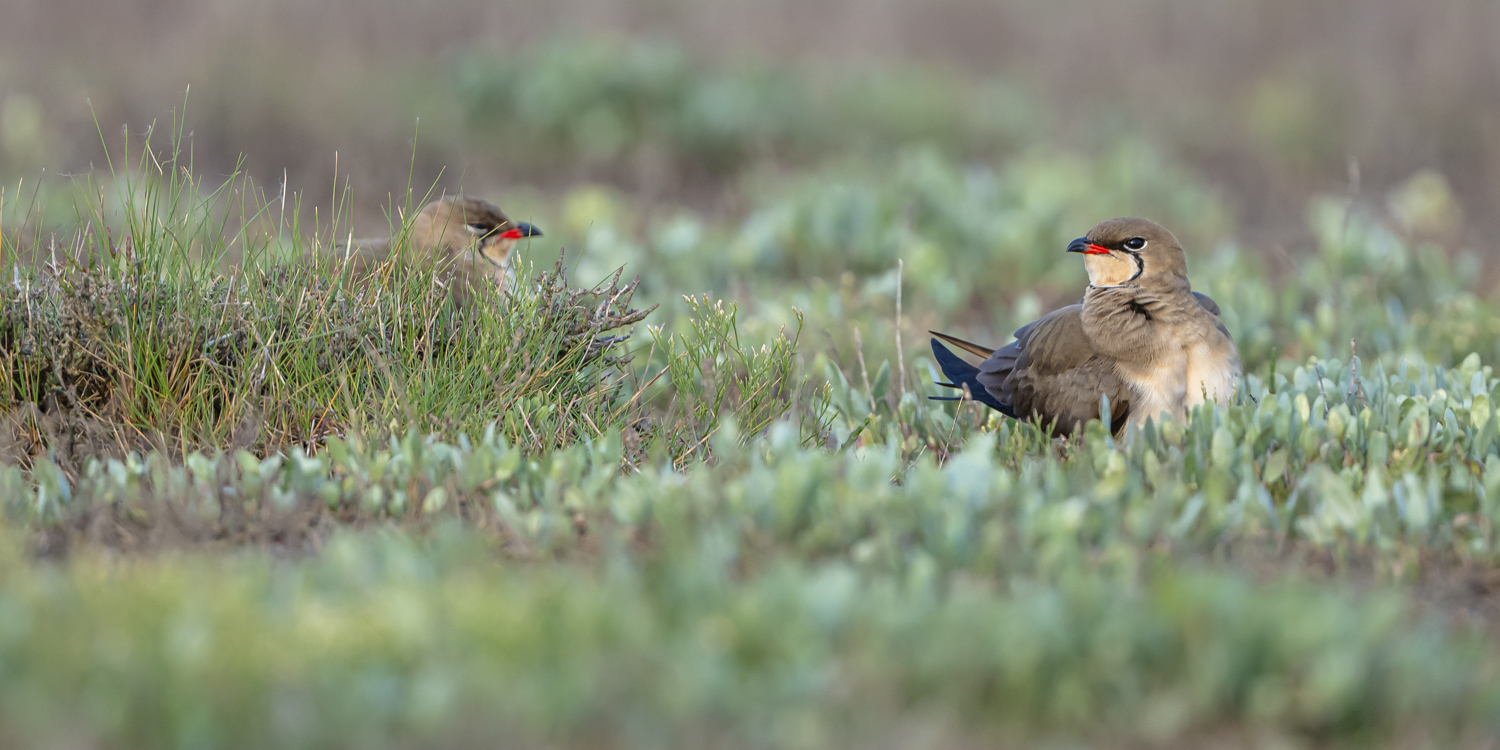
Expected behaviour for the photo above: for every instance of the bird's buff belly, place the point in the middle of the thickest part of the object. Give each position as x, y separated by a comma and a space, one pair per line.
1179, 383
1211, 374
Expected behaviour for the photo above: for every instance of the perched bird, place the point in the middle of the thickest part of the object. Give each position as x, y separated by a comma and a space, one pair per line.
1140, 336
469, 239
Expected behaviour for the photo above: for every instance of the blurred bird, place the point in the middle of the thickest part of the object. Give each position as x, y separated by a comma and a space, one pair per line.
1140, 336
469, 239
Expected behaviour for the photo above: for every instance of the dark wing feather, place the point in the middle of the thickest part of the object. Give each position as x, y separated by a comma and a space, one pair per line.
1207, 302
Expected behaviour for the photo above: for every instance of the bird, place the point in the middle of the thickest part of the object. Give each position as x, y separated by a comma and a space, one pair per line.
1140, 336
469, 239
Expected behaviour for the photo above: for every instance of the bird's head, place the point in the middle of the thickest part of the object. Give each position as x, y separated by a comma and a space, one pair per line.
1128, 251
458, 223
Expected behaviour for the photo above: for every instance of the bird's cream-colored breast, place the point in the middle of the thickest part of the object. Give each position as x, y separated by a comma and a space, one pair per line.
1213, 368
1181, 378
1159, 387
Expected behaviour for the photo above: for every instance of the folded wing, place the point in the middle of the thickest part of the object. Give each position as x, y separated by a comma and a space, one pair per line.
1050, 373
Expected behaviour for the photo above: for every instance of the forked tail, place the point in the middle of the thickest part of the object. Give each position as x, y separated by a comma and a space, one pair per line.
964, 376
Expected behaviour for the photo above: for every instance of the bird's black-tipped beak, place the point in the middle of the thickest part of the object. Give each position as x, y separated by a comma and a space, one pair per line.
1082, 245
519, 230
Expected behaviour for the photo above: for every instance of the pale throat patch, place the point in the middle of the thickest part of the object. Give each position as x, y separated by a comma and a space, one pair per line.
498, 252
1113, 269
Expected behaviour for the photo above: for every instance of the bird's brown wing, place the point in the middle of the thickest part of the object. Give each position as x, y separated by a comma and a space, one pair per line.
1052, 372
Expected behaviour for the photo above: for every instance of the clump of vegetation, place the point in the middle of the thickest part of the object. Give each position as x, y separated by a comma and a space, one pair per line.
151, 335
128, 358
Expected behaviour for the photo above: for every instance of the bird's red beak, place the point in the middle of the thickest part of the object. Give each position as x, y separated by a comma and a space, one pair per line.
1093, 249
512, 234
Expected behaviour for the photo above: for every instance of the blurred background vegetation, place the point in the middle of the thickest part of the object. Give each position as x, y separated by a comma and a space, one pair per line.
245, 506
1266, 101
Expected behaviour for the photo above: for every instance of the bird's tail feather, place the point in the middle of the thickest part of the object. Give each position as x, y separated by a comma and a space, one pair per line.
968, 346
964, 376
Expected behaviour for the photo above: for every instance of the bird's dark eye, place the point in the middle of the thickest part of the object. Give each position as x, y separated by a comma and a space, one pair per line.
1135, 243
478, 228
